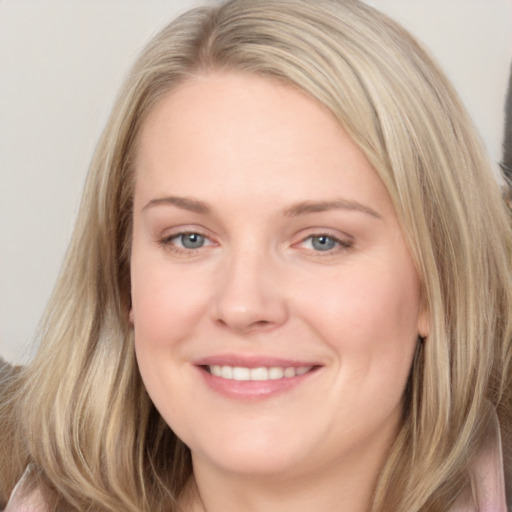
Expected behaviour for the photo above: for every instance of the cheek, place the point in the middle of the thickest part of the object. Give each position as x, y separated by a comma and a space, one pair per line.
367, 302
368, 314
166, 307
166, 304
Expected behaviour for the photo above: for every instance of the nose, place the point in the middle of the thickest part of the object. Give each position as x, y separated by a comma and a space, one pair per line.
250, 297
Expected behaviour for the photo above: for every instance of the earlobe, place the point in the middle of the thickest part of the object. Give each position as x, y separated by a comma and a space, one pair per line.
131, 316
424, 323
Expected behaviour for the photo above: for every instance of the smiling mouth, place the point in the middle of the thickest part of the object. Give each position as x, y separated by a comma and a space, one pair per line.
241, 373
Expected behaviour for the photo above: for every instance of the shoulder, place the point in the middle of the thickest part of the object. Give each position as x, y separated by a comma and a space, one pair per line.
486, 474
26, 499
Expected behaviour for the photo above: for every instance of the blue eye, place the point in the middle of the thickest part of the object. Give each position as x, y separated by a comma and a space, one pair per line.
323, 243
189, 240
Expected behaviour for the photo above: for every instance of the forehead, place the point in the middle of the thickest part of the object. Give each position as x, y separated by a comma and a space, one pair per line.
241, 132
259, 106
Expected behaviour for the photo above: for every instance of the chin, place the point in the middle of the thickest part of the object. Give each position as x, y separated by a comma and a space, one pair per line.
259, 456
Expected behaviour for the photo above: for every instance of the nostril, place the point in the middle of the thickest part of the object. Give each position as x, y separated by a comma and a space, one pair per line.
261, 323
245, 325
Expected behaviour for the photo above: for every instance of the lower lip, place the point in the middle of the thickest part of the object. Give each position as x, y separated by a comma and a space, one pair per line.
253, 389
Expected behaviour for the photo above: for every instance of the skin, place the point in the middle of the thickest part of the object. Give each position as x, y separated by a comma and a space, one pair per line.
250, 151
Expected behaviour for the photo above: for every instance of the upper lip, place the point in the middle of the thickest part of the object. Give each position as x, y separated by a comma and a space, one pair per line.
252, 361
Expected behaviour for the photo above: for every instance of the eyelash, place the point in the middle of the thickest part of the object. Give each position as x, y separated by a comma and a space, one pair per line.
169, 242
339, 244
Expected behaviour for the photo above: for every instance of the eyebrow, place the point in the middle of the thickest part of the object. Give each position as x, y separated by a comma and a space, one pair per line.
306, 207
185, 203
302, 208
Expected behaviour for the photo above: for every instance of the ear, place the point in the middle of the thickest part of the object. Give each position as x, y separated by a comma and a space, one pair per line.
131, 316
424, 320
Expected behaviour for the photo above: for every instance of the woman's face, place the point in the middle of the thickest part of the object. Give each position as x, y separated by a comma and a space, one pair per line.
276, 307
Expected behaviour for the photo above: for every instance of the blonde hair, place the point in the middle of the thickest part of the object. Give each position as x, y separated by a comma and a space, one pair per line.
92, 437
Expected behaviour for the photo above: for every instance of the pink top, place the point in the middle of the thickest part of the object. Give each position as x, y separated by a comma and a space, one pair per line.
487, 476
22, 502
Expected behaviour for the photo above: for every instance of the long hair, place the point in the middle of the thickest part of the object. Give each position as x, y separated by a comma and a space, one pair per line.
87, 429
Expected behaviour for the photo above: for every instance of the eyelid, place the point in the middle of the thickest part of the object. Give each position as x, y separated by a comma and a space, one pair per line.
181, 235
343, 241
166, 240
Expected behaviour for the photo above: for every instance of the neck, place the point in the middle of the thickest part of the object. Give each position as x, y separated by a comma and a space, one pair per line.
349, 486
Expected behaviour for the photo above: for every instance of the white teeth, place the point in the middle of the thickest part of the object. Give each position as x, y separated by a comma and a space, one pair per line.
261, 373
227, 372
289, 372
241, 373
275, 373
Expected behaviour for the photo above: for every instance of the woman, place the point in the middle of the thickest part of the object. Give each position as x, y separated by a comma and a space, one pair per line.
289, 284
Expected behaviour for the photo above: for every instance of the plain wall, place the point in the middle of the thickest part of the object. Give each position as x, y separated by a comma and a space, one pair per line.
61, 63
